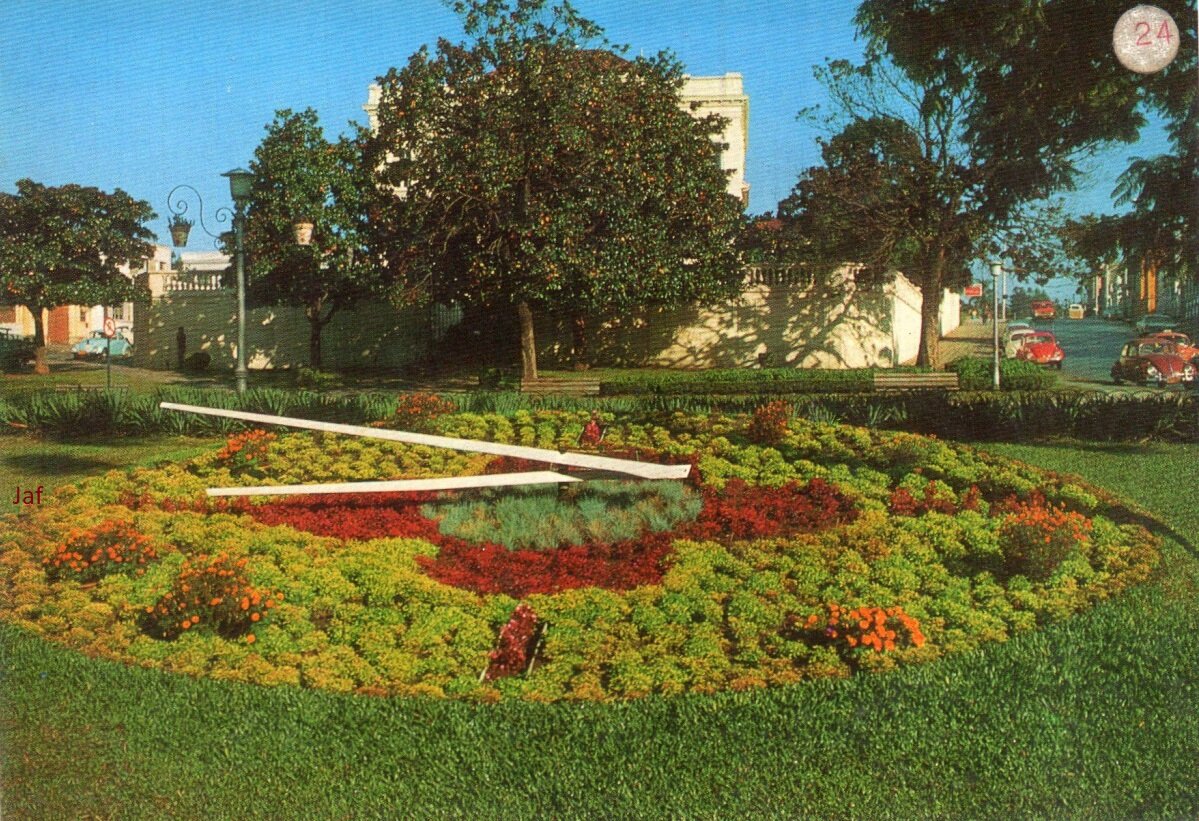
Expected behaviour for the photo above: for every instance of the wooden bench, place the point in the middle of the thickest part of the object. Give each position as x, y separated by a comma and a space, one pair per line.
543, 386
903, 381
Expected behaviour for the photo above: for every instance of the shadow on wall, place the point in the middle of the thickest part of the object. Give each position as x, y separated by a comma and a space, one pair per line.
833, 324
372, 336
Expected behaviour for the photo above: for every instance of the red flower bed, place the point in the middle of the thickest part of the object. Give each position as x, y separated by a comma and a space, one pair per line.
490, 568
744, 511
738, 511
903, 503
518, 639
359, 516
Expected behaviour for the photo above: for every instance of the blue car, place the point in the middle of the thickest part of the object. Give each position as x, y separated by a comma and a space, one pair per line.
95, 345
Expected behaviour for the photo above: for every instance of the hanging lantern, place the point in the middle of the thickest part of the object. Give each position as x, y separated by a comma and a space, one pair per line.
303, 231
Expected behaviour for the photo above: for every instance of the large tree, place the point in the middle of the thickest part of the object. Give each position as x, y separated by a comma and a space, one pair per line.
902, 186
64, 245
535, 167
1045, 83
300, 175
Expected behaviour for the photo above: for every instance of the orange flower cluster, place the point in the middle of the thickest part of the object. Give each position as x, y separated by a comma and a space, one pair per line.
214, 592
109, 546
246, 450
868, 627
769, 423
416, 411
1036, 536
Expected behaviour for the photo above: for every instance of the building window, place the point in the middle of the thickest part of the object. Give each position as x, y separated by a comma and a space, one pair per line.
121, 312
83, 314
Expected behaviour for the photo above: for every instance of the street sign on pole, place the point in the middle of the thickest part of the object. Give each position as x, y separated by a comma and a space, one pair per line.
110, 327
110, 330
973, 290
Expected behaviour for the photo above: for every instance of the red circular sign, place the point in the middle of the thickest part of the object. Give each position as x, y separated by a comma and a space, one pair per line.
110, 327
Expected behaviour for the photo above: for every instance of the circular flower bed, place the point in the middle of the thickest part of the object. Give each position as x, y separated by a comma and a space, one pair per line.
795, 550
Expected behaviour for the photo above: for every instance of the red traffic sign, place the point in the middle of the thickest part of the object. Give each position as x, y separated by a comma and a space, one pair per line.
973, 290
110, 327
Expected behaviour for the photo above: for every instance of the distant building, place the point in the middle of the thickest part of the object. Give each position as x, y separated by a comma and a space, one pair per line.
66, 324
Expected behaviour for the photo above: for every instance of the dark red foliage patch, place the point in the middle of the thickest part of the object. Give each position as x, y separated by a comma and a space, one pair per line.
743, 511
518, 639
904, 503
490, 568
360, 516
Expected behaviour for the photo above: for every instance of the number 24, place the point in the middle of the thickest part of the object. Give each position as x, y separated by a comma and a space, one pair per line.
1163, 33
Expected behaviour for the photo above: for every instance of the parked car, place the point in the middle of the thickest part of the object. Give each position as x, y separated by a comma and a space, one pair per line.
1152, 323
1041, 347
1150, 361
1019, 325
1077, 311
1043, 309
1187, 349
1015, 339
96, 344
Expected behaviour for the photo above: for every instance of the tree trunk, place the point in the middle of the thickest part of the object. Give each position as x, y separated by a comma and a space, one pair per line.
528, 347
930, 313
41, 317
578, 330
314, 343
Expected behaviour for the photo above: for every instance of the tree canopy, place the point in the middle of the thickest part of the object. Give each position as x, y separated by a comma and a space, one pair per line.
64, 245
301, 175
537, 167
1047, 90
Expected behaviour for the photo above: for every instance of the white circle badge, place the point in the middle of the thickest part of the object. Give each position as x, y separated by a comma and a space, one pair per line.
1145, 39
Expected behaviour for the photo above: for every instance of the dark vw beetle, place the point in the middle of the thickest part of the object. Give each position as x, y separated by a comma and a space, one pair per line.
1152, 361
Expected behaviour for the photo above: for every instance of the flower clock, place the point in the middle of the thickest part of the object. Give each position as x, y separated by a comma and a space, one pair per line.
818, 550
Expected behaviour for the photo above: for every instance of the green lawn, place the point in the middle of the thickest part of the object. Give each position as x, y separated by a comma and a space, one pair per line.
1092, 718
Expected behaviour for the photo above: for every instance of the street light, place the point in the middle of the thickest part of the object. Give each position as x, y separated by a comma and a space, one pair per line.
996, 272
240, 185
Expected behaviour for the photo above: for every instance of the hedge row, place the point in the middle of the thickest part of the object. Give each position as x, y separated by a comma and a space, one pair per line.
1016, 415
726, 381
974, 374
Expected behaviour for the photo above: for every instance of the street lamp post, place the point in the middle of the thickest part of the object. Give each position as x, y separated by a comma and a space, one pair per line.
996, 272
240, 185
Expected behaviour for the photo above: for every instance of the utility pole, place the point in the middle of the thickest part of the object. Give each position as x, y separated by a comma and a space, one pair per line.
996, 273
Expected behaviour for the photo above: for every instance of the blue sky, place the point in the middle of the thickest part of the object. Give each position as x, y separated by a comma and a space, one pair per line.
146, 94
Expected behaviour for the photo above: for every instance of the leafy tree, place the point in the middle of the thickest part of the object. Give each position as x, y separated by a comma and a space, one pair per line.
64, 245
526, 169
1045, 85
300, 175
902, 186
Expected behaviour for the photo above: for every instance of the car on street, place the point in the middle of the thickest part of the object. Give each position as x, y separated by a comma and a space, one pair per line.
95, 345
1187, 349
1041, 347
1076, 311
1153, 323
1149, 361
1015, 339
1043, 309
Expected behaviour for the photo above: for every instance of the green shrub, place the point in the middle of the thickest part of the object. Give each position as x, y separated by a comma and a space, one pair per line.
977, 374
313, 379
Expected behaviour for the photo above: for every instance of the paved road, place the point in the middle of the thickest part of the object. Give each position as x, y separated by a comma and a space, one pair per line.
1091, 346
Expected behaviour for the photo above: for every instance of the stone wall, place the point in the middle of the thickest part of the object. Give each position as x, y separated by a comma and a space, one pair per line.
372, 336
830, 323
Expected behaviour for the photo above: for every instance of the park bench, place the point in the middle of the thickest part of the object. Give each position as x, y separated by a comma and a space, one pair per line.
572, 386
907, 381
